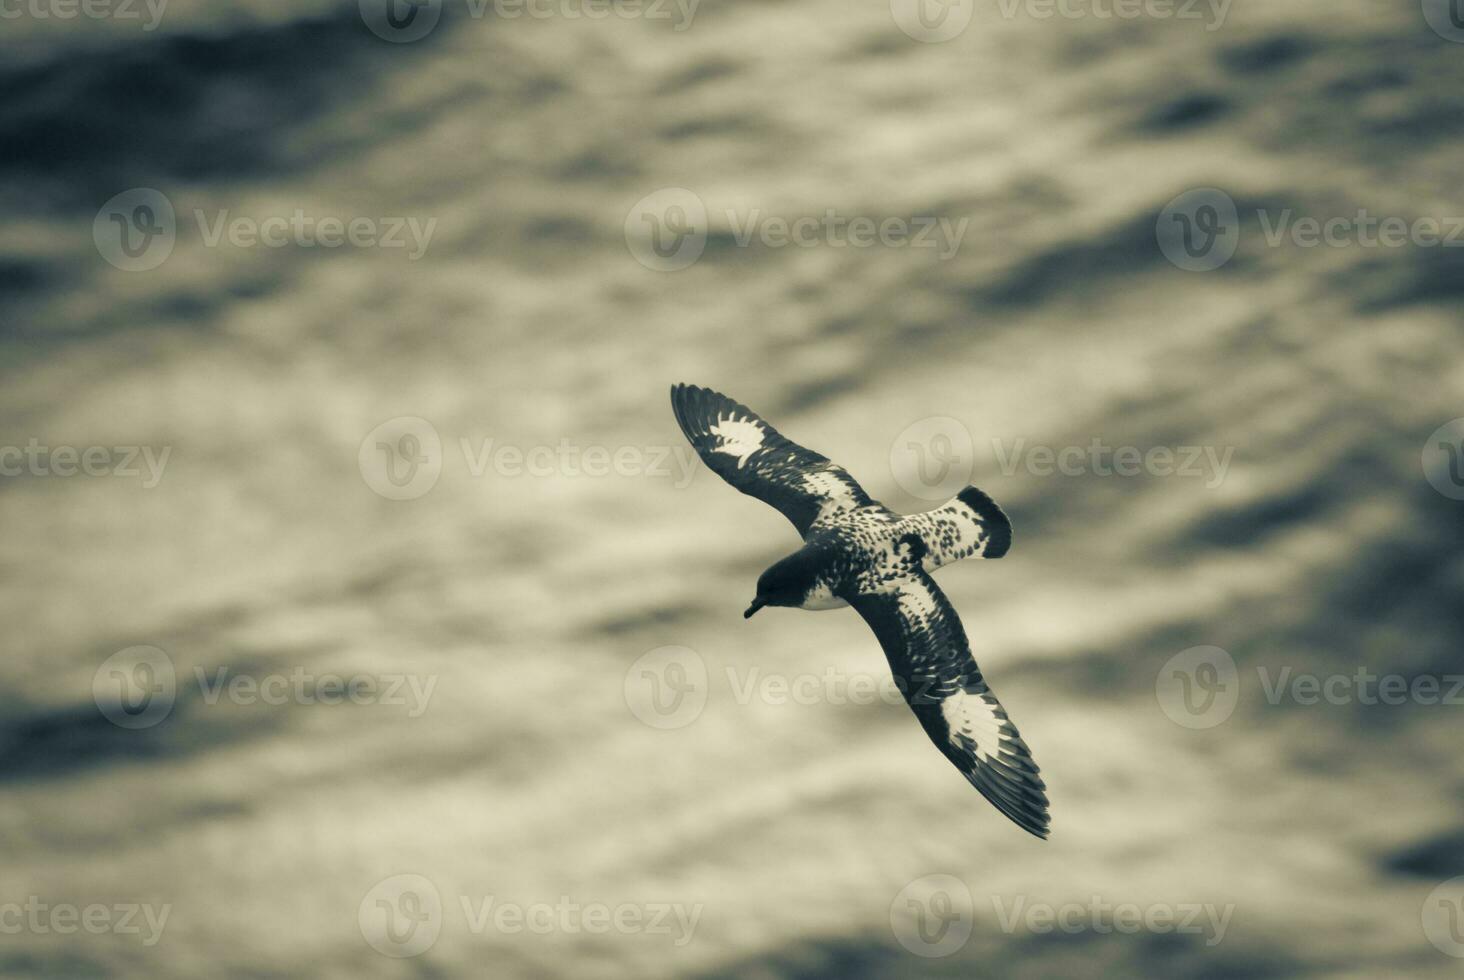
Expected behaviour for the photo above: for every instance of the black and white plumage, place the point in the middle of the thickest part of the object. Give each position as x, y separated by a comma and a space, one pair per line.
859, 553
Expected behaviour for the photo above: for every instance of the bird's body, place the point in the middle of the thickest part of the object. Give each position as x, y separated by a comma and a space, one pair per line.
856, 552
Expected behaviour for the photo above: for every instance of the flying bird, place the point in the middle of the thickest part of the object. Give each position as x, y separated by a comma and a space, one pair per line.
857, 552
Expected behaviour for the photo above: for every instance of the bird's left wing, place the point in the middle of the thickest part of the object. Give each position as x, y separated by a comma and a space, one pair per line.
927, 650
753, 457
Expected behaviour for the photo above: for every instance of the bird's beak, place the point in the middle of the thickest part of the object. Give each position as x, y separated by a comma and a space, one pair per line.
756, 605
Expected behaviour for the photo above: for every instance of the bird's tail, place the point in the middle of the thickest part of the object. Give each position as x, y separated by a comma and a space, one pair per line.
969, 525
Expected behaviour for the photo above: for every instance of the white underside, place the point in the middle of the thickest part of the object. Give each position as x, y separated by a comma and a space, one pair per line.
822, 597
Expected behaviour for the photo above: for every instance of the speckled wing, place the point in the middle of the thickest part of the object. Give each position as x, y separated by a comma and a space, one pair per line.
927, 650
750, 454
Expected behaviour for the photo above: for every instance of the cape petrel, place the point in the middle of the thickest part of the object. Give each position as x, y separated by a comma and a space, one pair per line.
856, 552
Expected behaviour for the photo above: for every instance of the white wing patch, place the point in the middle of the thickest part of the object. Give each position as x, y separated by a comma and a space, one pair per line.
977, 722
836, 493
739, 438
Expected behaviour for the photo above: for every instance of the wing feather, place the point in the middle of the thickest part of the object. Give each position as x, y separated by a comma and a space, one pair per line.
756, 459
927, 649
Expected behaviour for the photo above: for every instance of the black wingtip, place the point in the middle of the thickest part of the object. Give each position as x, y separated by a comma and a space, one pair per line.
998, 526
1022, 805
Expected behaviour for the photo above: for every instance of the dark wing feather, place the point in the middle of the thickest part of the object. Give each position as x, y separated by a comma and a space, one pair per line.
927, 650
753, 457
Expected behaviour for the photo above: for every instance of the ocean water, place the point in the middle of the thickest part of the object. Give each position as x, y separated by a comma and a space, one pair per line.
511, 606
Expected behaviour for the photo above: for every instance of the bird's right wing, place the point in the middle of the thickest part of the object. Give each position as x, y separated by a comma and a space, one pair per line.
753, 457
928, 653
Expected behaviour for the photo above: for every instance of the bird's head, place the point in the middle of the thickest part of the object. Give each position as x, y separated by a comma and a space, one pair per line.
785, 583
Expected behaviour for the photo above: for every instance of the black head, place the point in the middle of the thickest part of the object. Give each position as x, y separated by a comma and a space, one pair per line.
786, 582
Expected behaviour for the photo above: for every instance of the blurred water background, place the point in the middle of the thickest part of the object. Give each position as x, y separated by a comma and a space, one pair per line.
265, 549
